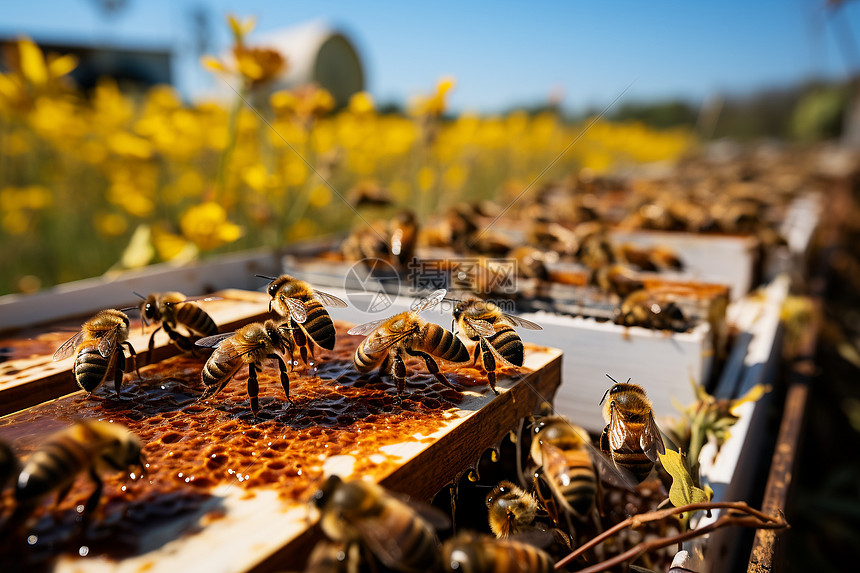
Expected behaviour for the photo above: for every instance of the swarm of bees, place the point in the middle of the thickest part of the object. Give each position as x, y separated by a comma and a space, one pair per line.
368, 524
532, 522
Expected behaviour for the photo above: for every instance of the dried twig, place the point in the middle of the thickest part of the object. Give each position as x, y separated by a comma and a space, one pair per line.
753, 518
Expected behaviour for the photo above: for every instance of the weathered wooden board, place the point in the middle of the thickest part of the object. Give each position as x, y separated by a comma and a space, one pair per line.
243, 528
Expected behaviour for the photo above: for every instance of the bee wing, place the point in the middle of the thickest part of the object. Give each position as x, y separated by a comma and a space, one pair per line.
366, 328
377, 534
107, 343
69, 346
380, 343
482, 327
430, 301
329, 299
651, 440
617, 430
214, 340
521, 322
555, 469
297, 308
610, 472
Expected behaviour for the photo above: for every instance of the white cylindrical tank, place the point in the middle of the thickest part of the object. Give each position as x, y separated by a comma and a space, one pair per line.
318, 53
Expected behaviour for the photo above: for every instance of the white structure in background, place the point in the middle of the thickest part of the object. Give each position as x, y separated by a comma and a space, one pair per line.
318, 53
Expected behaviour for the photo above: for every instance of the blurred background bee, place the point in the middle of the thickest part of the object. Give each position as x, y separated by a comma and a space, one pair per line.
650, 310
248, 346
631, 437
389, 338
485, 323
562, 453
302, 304
91, 446
98, 350
173, 310
513, 510
470, 553
392, 530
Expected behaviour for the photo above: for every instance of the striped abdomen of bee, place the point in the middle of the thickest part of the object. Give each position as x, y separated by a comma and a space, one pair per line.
470, 554
318, 326
577, 481
630, 456
217, 371
91, 368
439, 342
88, 445
192, 317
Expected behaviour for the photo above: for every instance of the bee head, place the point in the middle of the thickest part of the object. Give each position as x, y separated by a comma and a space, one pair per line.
322, 496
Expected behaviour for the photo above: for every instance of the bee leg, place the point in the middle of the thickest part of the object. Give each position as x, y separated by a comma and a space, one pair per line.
93, 501
134, 357
476, 355
398, 370
181, 341
151, 346
118, 372
253, 389
489, 362
285, 378
301, 339
432, 367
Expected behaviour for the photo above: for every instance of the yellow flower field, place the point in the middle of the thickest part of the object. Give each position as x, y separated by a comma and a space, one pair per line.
108, 180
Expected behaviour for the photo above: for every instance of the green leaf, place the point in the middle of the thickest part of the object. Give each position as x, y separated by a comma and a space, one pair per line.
683, 491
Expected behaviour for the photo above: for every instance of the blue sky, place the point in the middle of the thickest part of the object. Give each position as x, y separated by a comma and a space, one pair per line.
505, 54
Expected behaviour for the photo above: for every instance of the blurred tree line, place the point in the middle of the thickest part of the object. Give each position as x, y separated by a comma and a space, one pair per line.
811, 111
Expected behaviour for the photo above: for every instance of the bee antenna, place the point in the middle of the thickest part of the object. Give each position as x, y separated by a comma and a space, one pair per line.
613, 379
137, 294
265, 277
602, 400
128, 308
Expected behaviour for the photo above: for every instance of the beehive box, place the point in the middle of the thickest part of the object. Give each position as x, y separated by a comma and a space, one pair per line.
661, 361
228, 493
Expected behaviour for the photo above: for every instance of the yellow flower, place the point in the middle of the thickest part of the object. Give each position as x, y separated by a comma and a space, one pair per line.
254, 65
207, 226
110, 224
320, 196
426, 178
435, 104
361, 103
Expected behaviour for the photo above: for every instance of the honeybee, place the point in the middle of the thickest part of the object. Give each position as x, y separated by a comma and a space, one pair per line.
512, 510
650, 258
98, 350
482, 554
302, 304
646, 309
631, 437
485, 323
90, 446
407, 332
363, 512
249, 345
403, 235
174, 309
617, 279
561, 450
